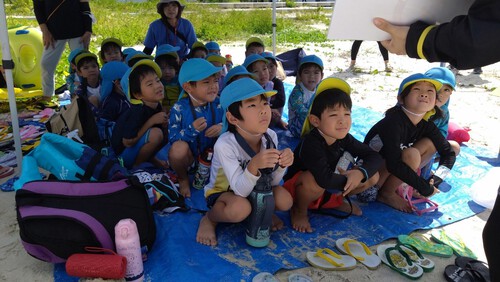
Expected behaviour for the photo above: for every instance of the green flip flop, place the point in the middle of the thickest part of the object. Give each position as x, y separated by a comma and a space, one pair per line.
455, 242
426, 246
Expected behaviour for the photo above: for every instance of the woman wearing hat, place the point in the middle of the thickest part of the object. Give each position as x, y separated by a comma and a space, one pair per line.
170, 29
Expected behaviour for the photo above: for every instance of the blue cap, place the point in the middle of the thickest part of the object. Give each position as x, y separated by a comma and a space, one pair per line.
238, 70
240, 90
110, 72
212, 45
416, 77
311, 59
72, 56
443, 75
137, 55
195, 70
167, 49
268, 55
128, 50
124, 81
252, 59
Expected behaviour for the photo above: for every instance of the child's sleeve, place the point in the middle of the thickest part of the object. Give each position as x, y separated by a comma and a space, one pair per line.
180, 127
447, 155
241, 181
278, 100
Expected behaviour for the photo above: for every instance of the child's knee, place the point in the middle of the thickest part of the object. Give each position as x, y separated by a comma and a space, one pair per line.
239, 209
155, 136
179, 149
411, 157
283, 201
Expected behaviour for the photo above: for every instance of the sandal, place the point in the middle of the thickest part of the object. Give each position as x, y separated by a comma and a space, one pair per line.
406, 192
455, 273
414, 254
426, 246
455, 242
399, 261
6, 171
327, 259
481, 268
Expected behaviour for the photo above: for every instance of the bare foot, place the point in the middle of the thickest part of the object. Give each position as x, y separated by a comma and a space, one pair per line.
300, 221
394, 200
345, 207
206, 232
184, 188
277, 223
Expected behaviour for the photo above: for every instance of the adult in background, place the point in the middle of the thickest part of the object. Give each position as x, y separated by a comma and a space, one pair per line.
354, 53
170, 29
61, 22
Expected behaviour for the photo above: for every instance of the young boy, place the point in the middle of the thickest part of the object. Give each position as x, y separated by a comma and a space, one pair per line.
87, 68
195, 120
111, 50
213, 47
278, 100
310, 73
257, 65
198, 50
73, 80
168, 60
236, 73
316, 167
139, 132
218, 61
234, 173
254, 45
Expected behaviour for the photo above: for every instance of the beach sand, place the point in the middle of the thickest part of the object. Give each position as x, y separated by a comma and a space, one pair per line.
473, 104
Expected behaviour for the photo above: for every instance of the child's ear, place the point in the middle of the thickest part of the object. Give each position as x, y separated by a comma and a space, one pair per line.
400, 100
187, 87
314, 120
231, 119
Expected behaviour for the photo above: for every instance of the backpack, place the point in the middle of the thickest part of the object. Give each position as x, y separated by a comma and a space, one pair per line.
60, 218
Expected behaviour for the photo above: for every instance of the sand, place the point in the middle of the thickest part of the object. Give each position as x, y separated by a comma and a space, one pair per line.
473, 104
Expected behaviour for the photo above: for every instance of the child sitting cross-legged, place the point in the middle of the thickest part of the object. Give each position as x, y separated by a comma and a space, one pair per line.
139, 132
234, 172
195, 120
317, 166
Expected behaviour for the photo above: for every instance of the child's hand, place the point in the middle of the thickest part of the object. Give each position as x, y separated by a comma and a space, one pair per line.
159, 118
275, 113
286, 158
213, 131
354, 177
200, 124
264, 159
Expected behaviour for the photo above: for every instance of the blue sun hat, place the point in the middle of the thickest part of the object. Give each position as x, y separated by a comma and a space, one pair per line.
110, 72
72, 55
311, 59
443, 75
417, 77
139, 55
195, 70
212, 45
325, 84
238, 70
124, 82
240, 90
167, 49
269, 55
252, 59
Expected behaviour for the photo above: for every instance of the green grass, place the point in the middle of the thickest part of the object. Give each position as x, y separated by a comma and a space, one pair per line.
129, 22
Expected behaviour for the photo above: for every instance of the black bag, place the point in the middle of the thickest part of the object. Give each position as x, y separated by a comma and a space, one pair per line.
60, 218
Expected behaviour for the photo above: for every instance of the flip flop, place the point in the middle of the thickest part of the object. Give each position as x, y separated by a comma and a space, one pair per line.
264, 277
455, 273
399, 261
359, 251
406, 192
480, 267
298, 277
455, 242
426, 264
327, 259
426, 246
6, 171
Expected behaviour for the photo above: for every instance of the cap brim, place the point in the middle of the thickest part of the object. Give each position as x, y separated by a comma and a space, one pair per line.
434, 82
147, 62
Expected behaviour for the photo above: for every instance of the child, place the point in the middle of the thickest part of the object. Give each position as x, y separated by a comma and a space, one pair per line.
310, 73
254, 45
195, 120
213, 47
234, 173
139, 132
317, 168
218, 61
257, 65
114, 101
111, 50
168, 60
278, 100
237, 73
447, 78
198, 50
407, 142
72, 80
87, 68
134, 56
229, 62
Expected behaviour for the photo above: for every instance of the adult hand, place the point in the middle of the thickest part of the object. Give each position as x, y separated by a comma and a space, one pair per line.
85, 39
48, 39
397, 43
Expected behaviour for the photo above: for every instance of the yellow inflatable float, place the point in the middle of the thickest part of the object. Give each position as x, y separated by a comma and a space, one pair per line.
26, 47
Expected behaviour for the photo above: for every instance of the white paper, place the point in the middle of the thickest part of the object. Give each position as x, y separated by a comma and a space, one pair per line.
353, 19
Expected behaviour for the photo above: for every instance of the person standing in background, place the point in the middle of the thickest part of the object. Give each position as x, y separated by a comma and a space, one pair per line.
61, 22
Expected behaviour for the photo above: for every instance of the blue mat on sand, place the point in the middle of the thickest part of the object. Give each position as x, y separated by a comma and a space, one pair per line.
176, 254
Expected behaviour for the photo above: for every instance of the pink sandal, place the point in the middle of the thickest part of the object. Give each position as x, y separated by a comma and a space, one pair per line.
406, 192
6, 171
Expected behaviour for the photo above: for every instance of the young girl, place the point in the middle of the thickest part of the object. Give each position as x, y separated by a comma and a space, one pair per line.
309, 75
407, 142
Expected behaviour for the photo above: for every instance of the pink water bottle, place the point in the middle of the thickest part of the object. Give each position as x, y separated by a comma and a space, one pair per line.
128, 245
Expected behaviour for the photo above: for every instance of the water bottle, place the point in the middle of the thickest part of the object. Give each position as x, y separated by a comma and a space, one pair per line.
128, 245
345, 162
202, 174
259, 222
